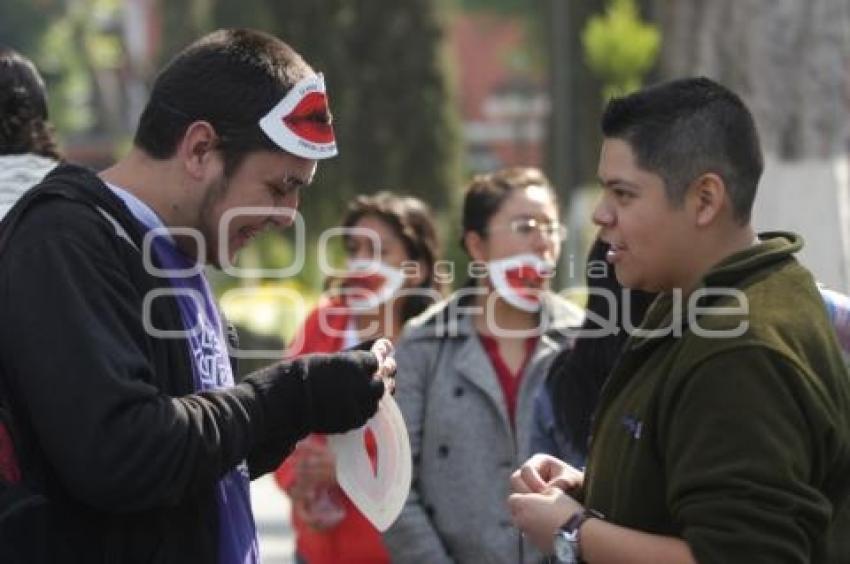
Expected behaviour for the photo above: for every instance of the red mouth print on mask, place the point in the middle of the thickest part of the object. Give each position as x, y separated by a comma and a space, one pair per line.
359, 286
310, 119
526, 281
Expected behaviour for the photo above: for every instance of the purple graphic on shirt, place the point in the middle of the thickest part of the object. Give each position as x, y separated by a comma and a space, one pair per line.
211, 364
212, 369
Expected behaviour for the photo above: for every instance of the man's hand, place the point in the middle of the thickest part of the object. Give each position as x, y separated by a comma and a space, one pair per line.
343, 389
323, 393
538, 515
541, 472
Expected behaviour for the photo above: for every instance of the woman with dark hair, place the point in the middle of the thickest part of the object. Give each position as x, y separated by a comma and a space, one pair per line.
27, 145
391, 246
468, 370
565, 405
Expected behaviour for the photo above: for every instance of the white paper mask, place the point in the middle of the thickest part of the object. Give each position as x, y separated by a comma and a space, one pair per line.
380, 497
371, 283
296, 123
519, 279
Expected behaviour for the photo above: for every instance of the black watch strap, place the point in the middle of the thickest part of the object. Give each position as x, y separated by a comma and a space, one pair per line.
569, 533
574, 523
578, 519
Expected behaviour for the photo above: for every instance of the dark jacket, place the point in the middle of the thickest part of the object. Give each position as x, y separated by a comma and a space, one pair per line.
109, 428
738, 444
546, 435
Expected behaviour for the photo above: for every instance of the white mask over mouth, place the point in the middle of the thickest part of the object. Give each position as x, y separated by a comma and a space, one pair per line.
370, 283
519, 279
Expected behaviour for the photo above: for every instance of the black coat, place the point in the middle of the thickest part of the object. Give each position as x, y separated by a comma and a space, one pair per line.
109, 429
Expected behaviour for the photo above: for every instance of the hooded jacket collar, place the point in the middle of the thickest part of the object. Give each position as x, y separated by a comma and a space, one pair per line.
668, 313
774, 246
79, 184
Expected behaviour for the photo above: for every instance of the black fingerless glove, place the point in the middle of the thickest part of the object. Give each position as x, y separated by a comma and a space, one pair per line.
341, 390
318, 393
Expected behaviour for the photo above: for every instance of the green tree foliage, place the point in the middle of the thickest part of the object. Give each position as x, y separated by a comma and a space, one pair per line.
77, 51
388, 81
620, 48
22, 22
512, 7
78, 47
573, 133
183, 21
390, 94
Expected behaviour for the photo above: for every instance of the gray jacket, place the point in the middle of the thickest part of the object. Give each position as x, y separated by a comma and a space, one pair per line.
461, 439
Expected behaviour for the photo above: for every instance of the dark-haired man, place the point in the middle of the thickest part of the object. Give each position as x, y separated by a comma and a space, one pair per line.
723, 434
132, 438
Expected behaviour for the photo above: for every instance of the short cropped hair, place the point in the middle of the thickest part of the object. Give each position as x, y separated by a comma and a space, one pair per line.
685, 128
230, 78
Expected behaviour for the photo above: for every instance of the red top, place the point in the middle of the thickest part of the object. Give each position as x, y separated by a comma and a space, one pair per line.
9, 469
354, 540
509, 381
323, 330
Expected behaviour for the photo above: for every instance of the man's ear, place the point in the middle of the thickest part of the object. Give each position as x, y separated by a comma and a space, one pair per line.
708, 198
197, 149
474, 244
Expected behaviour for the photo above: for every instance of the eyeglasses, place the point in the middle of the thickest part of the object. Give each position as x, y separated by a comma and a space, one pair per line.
528, 227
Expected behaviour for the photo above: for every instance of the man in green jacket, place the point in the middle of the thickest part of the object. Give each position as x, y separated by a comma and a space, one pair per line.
723, 434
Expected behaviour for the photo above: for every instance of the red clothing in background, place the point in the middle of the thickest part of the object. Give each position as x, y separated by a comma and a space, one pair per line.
507, 379
354, 540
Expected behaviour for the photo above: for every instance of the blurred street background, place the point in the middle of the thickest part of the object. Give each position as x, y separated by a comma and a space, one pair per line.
426, 93
271, 514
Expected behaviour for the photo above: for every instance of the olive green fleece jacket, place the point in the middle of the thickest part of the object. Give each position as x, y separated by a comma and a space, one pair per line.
739, 445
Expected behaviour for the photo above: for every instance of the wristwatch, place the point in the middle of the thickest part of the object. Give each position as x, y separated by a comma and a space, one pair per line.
567, 547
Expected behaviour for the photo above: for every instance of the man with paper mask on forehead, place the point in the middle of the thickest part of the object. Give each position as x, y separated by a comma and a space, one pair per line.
468, 371
133, 443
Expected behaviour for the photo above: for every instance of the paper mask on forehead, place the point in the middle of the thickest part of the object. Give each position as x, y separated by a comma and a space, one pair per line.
300, 123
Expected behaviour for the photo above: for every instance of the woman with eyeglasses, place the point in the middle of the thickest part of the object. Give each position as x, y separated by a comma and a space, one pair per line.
468, 372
